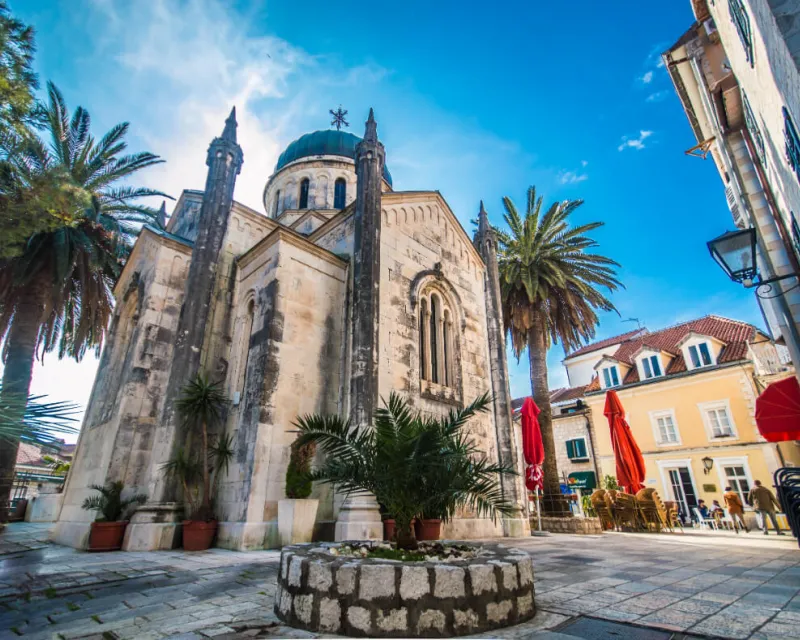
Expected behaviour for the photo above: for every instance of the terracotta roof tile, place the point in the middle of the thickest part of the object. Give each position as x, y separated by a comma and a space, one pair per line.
565, 395
608, 342
736, 336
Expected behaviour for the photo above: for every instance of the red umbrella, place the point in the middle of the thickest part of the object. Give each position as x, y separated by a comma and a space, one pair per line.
778, 411
532, 445
630, 463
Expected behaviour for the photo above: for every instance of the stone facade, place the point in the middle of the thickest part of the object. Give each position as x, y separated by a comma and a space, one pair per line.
328, 593
738, 65
315, 310
571, 426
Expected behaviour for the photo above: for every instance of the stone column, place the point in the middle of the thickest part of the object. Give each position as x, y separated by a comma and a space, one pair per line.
516, 525
359, 518
155, 524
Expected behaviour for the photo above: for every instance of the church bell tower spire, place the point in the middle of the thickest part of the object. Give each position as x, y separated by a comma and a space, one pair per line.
486, 242
359, 518
224, 160
370, 157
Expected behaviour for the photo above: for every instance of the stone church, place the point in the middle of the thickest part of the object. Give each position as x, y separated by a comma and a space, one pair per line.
341, 291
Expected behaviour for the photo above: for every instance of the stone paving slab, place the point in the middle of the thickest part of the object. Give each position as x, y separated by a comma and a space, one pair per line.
683, 584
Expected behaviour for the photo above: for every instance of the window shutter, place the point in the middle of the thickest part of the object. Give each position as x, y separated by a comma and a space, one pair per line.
570, 449
705, 353
580, 446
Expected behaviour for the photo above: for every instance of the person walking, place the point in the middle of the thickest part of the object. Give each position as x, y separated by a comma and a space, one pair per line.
764, 502
733, 503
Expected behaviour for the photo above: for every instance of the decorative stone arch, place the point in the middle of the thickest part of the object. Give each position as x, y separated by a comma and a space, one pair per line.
435, 275
439, 323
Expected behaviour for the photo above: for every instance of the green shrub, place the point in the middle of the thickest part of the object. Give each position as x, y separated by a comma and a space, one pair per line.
610, 483
298, 473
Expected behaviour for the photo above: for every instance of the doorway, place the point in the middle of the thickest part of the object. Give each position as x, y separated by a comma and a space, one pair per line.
683, 491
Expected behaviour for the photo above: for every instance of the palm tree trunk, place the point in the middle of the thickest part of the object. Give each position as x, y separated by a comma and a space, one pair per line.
21, 345
206, 477
553, 504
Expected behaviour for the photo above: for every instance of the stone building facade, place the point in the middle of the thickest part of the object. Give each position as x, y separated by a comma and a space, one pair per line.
736, 71
344, 291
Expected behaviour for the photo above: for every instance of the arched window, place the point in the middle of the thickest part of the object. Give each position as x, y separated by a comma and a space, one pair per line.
339, 193
277, 202
303, 194
437, 341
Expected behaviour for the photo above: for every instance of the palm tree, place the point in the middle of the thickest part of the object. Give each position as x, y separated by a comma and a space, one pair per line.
550, 282
202, 403
56, 293
414, 465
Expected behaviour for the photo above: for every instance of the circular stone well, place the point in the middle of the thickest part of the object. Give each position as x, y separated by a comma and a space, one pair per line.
323, 592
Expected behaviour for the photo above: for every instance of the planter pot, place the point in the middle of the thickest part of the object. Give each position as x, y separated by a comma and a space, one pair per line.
428, 529
107, 536
198, 535
388, 529
296, 520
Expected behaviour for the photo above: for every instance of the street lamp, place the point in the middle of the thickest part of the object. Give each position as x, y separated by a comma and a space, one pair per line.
735, 252
708, 464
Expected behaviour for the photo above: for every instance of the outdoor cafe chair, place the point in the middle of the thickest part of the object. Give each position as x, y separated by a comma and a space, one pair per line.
601, 509
710, 522
673, 516
651, 509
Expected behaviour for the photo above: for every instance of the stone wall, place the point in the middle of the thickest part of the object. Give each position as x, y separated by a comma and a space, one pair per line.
569, 427
287, 362
386, 598
586, 526
121, 417
423, 246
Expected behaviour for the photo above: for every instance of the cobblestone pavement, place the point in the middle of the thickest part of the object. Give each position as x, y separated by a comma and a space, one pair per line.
703, 585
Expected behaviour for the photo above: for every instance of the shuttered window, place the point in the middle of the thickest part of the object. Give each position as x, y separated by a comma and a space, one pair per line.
576, 449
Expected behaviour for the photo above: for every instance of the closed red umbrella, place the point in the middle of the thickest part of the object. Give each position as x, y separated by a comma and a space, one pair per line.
630, 463
532, 445
778, 411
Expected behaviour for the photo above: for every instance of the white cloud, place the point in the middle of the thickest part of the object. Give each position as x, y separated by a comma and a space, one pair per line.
194, 60
658, 96
634, 143
584, 163
647, 78
572, 177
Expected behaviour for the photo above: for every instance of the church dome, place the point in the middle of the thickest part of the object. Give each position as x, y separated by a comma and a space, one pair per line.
329, 142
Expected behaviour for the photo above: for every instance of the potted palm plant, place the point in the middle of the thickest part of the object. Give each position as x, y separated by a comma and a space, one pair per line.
297, 513
202, 405
403, 459
108, 529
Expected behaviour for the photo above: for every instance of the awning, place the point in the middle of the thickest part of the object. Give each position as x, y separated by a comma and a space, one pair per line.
582, 480
778, 411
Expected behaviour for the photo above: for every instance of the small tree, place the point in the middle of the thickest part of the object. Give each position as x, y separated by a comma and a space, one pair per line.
202, 404
298, 473
109, 504
610, 483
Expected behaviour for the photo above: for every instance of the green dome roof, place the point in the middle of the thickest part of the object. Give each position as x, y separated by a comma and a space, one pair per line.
329, 142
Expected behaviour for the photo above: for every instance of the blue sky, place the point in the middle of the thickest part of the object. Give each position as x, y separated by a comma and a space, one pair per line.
474, 102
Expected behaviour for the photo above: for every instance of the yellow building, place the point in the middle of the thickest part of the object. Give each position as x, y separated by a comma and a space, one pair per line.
689, 394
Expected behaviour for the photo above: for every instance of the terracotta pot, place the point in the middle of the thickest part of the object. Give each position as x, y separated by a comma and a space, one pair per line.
198, 535
107, 536
428, 529
388, 529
